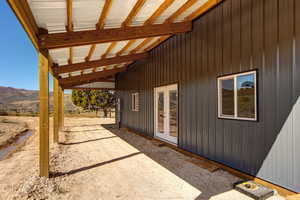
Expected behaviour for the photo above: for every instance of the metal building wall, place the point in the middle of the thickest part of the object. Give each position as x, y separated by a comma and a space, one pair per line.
236, 36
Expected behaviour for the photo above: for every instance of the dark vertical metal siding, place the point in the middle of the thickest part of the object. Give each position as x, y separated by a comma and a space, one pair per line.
236, 36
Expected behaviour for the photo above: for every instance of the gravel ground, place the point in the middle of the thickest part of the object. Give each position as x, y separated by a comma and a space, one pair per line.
94, 162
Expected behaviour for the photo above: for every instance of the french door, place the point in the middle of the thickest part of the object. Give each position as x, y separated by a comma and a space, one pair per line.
166, 113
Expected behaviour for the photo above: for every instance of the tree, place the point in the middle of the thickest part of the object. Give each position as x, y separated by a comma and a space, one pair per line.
94, 100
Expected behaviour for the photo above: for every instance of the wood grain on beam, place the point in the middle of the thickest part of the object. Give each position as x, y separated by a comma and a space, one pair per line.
87, 82
100, 25
109, 49
159, 11
182, 9
159, 41
146, 41
101, 74
151, 20
137, 7
69, 39
98, 63
86, 88
104, 13
126, 47
70, 26
23, 13
205, 7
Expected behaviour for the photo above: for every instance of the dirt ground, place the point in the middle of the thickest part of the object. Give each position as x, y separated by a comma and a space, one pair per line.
9, 129
95, 161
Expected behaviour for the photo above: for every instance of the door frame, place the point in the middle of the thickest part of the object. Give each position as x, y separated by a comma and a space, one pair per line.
155, 113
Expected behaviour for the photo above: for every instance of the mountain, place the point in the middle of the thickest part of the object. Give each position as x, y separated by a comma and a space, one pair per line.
21, 99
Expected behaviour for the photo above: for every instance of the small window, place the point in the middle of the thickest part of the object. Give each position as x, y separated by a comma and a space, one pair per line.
135, 102
237, 96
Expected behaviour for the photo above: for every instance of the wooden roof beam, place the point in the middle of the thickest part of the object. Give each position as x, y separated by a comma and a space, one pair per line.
70, 39
137, 7
151, 20
70, 26
100, 25
97, 63
91, 76
25, 16
87, 82
205, 7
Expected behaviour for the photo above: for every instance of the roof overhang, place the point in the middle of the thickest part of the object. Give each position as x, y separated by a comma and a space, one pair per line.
88, 40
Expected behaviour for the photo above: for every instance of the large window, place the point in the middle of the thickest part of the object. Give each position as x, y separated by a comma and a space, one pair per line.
135, 102
237, 96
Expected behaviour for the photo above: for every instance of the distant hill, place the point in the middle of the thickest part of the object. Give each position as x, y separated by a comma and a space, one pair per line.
13, 98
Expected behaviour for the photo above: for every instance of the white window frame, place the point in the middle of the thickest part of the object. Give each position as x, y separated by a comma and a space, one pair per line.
234, 77
135, 102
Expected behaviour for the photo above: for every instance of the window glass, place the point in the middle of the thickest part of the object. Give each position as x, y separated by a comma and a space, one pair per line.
160, 112
246, 96
227, 96
173, 113
237, 96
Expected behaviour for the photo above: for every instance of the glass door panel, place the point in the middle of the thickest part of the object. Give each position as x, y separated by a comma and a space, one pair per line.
160, 112
173, 113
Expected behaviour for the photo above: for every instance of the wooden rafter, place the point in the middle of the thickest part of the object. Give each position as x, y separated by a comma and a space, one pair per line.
156, 43
97, 63
100, 25
70, 26
146, 41
104, 13
86, 82
25, 16
182, 9
92, 76
91, 52
159, 11
151, 20
137, 7
205, 7
126, 47
70, 39
109, 49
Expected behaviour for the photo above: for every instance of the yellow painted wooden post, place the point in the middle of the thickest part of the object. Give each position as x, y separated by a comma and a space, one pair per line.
62, 109
44, 115
56, 111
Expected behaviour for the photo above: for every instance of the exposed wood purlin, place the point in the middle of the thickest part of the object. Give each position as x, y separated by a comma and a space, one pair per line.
100, 25
182, 9
25, 16
87, 82
70, 26
125, 47
78, 38
101, 74
159, 11
159, 41
151, 20
137, 7
104, 13
146, 41
91, 52
97, 63
205, 7
109, 49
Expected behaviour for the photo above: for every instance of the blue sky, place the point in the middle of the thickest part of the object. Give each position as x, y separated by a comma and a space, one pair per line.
18, 57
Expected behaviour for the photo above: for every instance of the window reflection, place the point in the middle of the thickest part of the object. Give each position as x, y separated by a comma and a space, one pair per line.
246, 96
227, 97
